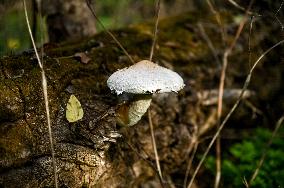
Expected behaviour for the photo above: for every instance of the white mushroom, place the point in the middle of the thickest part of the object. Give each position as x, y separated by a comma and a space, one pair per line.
140, 81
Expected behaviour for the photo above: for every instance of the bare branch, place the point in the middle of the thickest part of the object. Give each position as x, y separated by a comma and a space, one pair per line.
110, 33
45, 94
245, 86
154, 145
158, 7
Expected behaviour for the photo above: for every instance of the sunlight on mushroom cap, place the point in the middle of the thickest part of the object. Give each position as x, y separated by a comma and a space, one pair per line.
145, 77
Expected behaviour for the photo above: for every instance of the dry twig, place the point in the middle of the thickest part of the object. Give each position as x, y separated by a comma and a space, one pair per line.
45, 94
154, 145
221, 92
245, 86
149, 111
189, 163
155, 29
106, 30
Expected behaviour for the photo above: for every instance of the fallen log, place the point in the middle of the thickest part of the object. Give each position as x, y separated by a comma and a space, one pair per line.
95, 151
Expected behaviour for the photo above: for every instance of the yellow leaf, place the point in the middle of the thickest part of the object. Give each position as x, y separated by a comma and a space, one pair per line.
74, 111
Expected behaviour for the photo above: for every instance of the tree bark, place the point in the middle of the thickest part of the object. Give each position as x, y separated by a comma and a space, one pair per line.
95, 152
68, 20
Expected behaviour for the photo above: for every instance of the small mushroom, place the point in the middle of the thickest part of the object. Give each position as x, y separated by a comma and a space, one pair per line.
137, 83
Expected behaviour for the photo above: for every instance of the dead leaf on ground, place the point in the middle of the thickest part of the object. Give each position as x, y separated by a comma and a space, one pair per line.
83, 58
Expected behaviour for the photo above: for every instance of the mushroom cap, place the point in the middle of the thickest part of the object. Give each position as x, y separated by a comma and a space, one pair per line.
145, 77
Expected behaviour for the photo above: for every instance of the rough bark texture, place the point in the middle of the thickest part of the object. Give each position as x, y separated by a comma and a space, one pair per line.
68, 19
95, 152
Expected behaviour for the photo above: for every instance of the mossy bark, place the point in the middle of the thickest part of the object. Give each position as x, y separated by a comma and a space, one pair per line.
95, 152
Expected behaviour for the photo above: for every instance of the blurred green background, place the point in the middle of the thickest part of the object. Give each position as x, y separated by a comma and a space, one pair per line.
114, 14
240, 160
13, 29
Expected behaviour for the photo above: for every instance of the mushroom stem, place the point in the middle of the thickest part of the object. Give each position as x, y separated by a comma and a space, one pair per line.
130, 113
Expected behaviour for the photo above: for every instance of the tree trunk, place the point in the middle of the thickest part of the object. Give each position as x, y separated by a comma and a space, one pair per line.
95, 152
68, 20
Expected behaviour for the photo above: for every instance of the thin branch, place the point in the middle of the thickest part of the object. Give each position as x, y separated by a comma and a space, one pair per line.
249, 39
189, 164
106, 30
45, 94
245, 86
278, 125
218, 19
278, 10
154, 145
234, 3
158, 8
39, 9
219, 114
221, 92
280, 7
218, 163
34, 19
209, 43
149, 111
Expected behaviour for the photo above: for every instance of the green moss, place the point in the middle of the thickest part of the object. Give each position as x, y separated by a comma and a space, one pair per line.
15, 144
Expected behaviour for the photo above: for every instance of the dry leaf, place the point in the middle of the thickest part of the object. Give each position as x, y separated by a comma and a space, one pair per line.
82, 57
